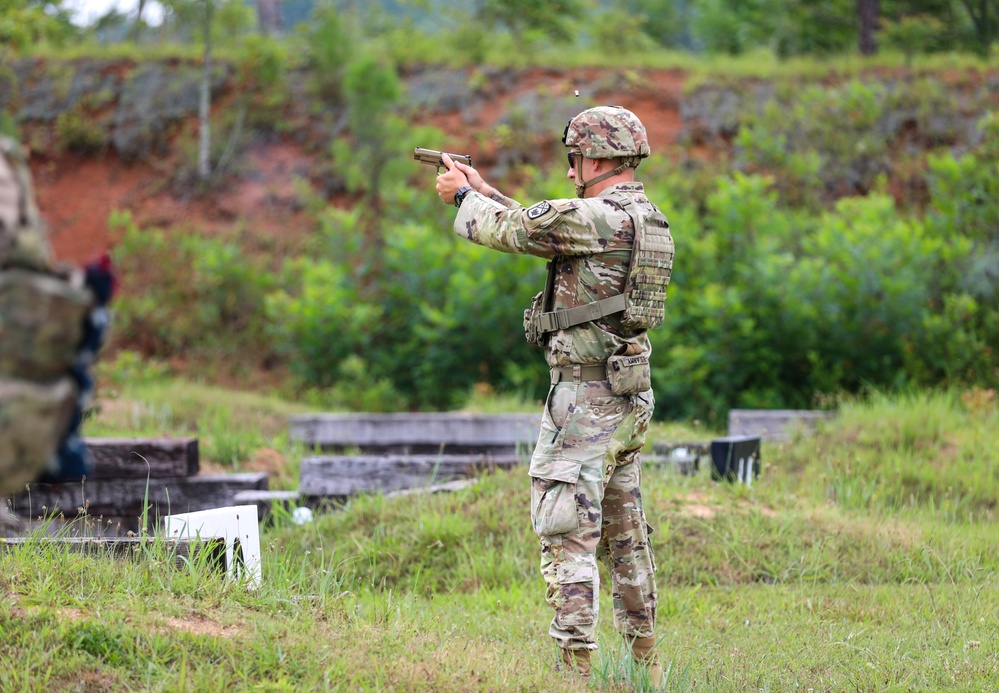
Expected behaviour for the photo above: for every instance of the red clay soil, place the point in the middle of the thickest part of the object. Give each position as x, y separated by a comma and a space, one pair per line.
77, 194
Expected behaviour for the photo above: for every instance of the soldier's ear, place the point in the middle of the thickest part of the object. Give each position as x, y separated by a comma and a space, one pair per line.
602, 165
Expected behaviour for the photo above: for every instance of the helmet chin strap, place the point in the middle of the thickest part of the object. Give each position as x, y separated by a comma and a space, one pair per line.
581, 187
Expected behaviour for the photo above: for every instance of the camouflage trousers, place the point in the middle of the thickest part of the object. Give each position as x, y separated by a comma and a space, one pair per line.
586, 503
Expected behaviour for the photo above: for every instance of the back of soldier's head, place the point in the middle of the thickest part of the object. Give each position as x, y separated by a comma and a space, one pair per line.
608, 132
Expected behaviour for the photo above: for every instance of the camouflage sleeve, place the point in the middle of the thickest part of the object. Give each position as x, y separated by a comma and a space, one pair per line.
485, 221
547, 229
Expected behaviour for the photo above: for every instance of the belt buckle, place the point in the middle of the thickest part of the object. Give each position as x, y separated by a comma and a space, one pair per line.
561, 319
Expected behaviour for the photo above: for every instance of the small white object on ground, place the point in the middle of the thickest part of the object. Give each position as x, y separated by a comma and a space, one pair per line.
301, 515
236, 525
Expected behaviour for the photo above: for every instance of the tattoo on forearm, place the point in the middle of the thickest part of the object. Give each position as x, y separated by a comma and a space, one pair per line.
500, 197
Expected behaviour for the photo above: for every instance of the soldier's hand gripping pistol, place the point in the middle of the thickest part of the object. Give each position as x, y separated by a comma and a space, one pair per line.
434, 158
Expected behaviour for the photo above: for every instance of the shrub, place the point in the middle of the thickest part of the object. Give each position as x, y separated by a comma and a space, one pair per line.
447, 317
820, 141
321, 320
330, 47
184, 294
262, 71
913, 34
79, 132
772, 307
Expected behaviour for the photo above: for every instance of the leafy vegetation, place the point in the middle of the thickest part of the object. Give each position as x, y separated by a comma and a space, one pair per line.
826, 256
830, 260
800, 277
570, 32
783, 27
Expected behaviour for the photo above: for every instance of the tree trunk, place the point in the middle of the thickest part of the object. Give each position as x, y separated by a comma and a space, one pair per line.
868, 12
269, 17
137, 27
980, 17
987, 10
205, 100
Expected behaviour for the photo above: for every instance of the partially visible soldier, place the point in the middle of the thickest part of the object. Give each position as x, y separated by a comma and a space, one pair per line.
610, 256
52, 322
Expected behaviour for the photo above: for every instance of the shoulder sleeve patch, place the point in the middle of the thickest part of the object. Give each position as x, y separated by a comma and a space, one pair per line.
539, 210
540, 217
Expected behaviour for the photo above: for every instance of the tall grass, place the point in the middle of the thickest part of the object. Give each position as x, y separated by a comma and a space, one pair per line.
808, 580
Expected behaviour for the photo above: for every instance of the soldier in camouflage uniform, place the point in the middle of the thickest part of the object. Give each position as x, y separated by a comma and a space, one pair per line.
586, 472
51, 325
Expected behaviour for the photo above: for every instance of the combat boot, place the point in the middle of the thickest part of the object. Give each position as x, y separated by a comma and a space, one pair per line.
577, 663
642, 652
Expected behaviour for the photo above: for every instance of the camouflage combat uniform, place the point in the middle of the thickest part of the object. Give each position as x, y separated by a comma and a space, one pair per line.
42, 322
586, 471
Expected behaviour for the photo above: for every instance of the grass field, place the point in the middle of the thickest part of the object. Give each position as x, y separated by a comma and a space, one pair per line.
863, 560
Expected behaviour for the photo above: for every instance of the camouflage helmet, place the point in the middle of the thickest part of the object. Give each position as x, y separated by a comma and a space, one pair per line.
607, 132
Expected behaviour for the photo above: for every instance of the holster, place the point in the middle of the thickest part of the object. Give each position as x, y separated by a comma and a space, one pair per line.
532, 326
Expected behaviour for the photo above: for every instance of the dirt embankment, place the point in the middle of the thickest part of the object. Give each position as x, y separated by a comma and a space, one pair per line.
108, 136
130, 131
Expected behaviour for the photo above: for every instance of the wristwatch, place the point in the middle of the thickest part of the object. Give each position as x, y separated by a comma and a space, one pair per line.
459, 196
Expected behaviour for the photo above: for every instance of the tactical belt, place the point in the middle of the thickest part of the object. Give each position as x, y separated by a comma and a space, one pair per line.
578, 374
563, 319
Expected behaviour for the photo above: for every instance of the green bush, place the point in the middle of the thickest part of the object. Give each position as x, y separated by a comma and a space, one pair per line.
447, 316
962, 328
616, 32
79, 132
322, 320
913, 34
772, 307
330, 46
821, 143
787, 291
965, 194
787, 27
262, 72
185, 294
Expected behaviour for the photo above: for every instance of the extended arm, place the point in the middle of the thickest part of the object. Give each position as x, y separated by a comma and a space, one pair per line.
459, 175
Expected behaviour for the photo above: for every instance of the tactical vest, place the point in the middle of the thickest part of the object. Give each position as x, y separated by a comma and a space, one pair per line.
42, 314
642, 303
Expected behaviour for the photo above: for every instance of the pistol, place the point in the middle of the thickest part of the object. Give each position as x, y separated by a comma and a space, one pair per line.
434, 158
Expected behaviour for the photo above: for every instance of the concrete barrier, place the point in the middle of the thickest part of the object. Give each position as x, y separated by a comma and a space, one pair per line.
347, 475
774, 424
137, 458
429, 433
121, 500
